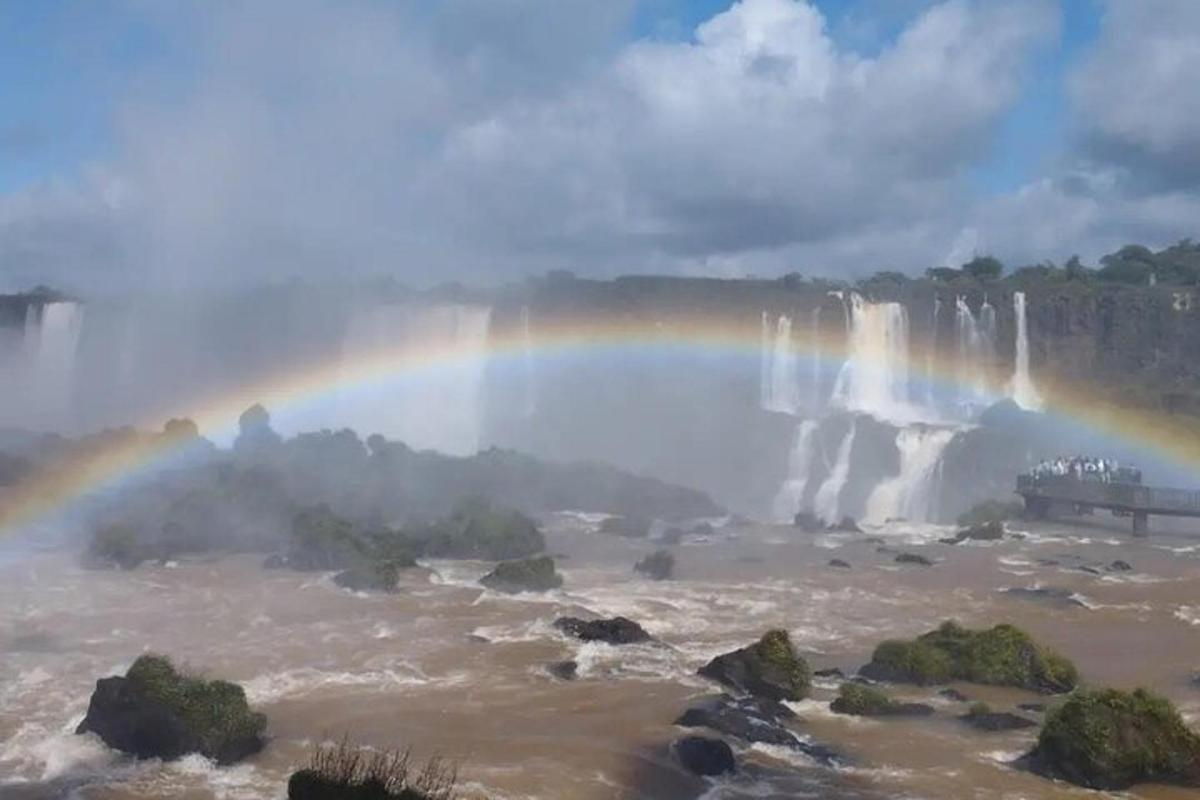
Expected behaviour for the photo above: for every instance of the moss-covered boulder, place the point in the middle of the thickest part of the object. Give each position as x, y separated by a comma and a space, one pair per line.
1000, 656
990, 531
859, 700
658, 566
373, 576
155, 711
1111, 739
991, 511
477, 529
770, 668
117, 546
527, 575
323, 540
981, 717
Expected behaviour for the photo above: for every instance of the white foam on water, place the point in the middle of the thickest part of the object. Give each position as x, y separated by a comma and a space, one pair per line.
305, 681
1188, 614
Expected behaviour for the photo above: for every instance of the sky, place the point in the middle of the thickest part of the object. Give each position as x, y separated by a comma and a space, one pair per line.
188, 143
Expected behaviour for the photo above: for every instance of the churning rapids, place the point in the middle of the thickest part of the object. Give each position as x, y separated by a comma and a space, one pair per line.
455, 670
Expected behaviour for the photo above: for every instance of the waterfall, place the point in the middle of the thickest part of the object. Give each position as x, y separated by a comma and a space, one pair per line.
930, 350
825, 504
787, 501
781, 377
49, 345
874, 379
530, 405
911, 493
976, 349
438, 408
1021, 387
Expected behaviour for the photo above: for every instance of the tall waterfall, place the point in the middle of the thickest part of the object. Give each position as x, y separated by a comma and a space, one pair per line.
1021, 387
49, 345
874, 379
912, 493
826, 504
787, 501
781, 377
976, 349
440, 408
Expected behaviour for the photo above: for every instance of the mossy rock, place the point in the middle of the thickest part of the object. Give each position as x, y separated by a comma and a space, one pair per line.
376, 576
1112, 739
527, 575
769, 668
1000, 656
323, 540
991, 511
155, 711
859, 700
657, 566
476, 529
117, 546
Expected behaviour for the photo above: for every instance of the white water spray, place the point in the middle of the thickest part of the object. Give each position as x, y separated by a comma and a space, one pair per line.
782, 376
826, 502
912, 493
1021, 388
787, 501
50, 342
874, 379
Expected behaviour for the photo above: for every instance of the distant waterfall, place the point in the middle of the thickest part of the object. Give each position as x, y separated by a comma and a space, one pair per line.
976, 349
911, 494
826, 502
49, 345
787, 501
874, 379
1021, 387
442, 407
930, 351
781, 376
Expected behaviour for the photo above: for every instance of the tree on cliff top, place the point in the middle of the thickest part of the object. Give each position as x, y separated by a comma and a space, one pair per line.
983, 268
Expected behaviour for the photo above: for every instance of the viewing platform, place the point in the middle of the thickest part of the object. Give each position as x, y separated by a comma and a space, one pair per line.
1138, 501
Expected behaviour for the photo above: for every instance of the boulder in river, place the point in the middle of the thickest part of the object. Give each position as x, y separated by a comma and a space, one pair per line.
527, 575
1001, 656
858, 700
1112, 739
955, 695
832, 672
1051, 595
617, 630
563, 670
847, 525
1120, 566
629, 527
752, 720
154, 711
373, 576
657, 566
769, 668
837, 563
982, 532
913, 558
703, 756
981, 717
808, 522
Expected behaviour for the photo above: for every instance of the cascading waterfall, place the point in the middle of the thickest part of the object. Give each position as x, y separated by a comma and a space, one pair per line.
930, 349
912, 493
49, 346
825, 503
976, 349
787, 501
781, 378
1021, 388
440, 409
874, 379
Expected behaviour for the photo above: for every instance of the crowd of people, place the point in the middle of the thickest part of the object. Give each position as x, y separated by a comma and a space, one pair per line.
1106, 470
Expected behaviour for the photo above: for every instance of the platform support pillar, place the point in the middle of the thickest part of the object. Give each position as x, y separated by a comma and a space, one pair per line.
1141, 523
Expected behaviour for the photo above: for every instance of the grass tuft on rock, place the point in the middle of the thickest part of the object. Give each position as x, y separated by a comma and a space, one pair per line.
1000, 656
346, 772
862, 701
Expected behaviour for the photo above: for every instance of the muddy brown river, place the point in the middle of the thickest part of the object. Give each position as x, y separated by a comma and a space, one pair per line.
452, 670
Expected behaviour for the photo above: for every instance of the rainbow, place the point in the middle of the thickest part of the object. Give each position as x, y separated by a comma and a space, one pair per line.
107, 461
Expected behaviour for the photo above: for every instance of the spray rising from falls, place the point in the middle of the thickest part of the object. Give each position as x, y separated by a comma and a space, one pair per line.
47, 360
1021, 387
791, 494
781, 379
874, 380
976, 349
912, 493
826, 503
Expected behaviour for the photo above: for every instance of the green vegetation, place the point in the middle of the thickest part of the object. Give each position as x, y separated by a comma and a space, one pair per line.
377, 576
117, 546
344, 772
769, 668
1000, 656
214, 713
991, 511
862, 701
322, 540
476, 529
527, 575
1112, 739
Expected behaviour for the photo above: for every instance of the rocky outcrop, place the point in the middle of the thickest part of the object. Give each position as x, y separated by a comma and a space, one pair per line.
703, 756
1002, 656
913, 559
658, 566
982, 532
838, 563
982, 718
563, 670
1111, 739
770, 668
615, 631
858, 700
752, 720
528, 575
629, 527
372, 577
154, 711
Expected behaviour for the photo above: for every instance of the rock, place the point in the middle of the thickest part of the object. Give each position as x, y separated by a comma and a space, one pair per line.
982, 718
1001, 656
753, 720
1088, 569
615, 631
478, 529
858, 700
275, 561
983, 532
769, 668
629, 527
155, 712
1112, 739
1048, 562
847, 525
808, 522
117, 547
955, 695
837, 563
563, 670
992, 511
322, 540
1053, 595
1037, 708
528, 575
1120, 566
832, 672
672, 536
657, 566
370, 577
703, 756
913, 558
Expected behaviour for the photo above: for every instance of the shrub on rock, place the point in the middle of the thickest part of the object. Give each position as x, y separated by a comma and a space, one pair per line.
528, 575
154, 711
769, 668
345, 772
1111, 739
858, 700
477, 529
1000, 656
